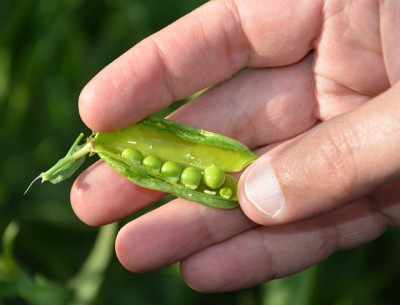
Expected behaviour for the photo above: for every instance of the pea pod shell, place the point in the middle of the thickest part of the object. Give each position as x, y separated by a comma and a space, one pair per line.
177, 142
149, 179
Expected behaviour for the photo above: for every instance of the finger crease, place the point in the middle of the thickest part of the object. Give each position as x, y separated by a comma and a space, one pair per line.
164, 68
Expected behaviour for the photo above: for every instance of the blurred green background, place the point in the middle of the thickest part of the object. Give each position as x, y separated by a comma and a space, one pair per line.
49, 49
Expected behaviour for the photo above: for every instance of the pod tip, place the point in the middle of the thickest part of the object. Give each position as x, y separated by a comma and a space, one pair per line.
30, 185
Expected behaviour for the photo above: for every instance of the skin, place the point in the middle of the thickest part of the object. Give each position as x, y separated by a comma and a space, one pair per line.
322, 80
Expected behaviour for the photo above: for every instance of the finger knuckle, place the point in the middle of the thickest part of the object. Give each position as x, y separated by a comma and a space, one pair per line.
337, 155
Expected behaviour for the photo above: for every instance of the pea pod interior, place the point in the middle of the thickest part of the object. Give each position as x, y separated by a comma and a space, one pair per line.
180, 143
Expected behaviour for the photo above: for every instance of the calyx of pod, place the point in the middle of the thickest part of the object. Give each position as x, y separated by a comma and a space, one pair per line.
170, 142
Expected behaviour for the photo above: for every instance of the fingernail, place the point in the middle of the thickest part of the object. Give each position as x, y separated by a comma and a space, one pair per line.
263, 190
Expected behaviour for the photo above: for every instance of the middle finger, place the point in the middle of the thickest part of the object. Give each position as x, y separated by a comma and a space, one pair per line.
257, 106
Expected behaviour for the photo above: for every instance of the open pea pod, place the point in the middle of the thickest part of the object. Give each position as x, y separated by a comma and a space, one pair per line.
163, 155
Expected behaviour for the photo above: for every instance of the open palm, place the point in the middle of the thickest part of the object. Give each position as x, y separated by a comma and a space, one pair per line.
311, 86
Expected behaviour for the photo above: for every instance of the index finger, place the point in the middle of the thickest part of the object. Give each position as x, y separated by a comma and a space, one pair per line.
199, 50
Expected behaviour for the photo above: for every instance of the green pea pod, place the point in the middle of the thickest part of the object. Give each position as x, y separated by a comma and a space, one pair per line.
167, 141
180, 143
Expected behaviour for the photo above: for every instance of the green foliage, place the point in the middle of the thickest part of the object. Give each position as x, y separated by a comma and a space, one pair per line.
48, 51
81, 289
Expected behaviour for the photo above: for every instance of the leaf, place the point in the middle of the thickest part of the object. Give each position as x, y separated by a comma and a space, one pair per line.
16, 282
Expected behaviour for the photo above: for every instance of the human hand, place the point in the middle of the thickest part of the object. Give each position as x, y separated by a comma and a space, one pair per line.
319, 102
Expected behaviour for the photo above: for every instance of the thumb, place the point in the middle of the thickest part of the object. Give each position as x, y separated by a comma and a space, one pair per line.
335, 163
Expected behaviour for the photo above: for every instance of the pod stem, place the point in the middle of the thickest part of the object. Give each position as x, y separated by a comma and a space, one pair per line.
75, 153
66, 166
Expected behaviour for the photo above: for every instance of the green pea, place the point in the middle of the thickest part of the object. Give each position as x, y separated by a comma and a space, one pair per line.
191, 177
132, 155
213, 177
152, 162
226, 192
171, 170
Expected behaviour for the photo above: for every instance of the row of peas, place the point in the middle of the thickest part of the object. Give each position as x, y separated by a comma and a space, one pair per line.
191, 177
